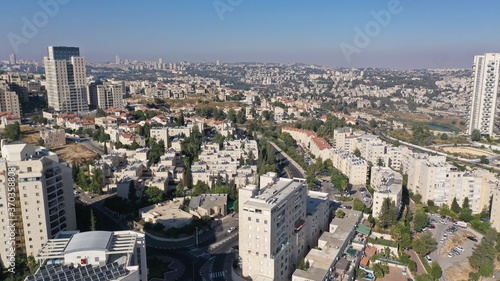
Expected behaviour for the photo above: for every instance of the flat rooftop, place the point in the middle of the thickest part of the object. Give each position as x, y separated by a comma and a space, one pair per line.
272, 195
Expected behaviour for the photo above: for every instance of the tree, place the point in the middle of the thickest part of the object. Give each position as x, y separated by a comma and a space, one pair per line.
424, 244
134, 145
388, 213
75, 169
483, 256
358, 205
373, 123
92, 220
188, 179
454, 206
105, 149
357, 153
339, 214
40, 142
380, 270
420, 221
465, 204
132, 192
12, 131
444, 136
421, 135
153, 194
100, 112
475, 135
484, 160
436, 270
380, 162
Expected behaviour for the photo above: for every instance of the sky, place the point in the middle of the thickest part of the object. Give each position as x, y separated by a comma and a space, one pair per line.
396, 34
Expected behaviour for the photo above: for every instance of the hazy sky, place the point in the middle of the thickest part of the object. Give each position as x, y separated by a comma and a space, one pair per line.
405, 34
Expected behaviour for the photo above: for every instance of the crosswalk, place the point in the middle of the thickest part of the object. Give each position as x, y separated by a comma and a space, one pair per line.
217, 274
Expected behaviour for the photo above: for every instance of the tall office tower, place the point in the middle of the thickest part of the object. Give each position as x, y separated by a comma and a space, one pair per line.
117, 60
109, 95
65, 72
483, 106
9, 100
36, 195
271, 235
12, 59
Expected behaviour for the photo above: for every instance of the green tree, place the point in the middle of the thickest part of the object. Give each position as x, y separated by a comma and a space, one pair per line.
380, 162
12, 132
436, 270
388, 213
380, 270
339, 214
75, 169
455, 207
476, 135
421, 220
40, 142
444, 136
484, 160
92, 221
357, 153
358, 205
424, 244
134, 145
483, 256
188, 178
421, 135
465, 203
153, 195
132, 192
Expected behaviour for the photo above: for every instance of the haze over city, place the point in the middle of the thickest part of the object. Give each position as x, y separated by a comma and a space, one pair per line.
430, 34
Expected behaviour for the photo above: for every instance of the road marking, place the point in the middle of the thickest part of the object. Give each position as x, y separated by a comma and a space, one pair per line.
217, 274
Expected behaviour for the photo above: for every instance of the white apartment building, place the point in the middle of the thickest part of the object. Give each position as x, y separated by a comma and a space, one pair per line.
160, 133
9, 100
387, 184
110, 95
351, 166
434, 179
66, 76
93, 255
44, 200
271, 223
345, 138
483, 104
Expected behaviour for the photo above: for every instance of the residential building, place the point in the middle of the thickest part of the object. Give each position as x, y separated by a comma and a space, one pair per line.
326, 262
212, 205
160, 133
109, 95
495, 209
441, 182
168, 213
350, 165
271, 227
93, 255
65, 72
483, 103
386, 183
53, 137
44, 200
9, 100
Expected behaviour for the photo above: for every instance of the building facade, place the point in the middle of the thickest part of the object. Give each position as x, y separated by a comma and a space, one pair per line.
44, 200
271, 224
483, 104
110, 95
65, 72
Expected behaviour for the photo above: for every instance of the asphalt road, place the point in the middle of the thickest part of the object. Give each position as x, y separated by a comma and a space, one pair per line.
285, 161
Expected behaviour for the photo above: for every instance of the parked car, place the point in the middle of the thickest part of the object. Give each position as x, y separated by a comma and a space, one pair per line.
431, 226
441, 241
472, 238
450, 255
429, 260
231, 229
461, 249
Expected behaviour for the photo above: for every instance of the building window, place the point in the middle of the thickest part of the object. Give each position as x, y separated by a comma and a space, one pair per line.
249, 219
256, 220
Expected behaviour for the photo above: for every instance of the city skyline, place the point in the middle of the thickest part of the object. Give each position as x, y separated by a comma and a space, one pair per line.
385, 34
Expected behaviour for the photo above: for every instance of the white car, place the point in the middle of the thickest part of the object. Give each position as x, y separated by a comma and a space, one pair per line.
429, 260
459, 248
450, 255
231, 229
441, 241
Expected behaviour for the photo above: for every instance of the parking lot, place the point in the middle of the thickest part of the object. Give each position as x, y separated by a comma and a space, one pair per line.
450, 242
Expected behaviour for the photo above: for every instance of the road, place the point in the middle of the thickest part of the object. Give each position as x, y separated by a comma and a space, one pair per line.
92, 145
287, 161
